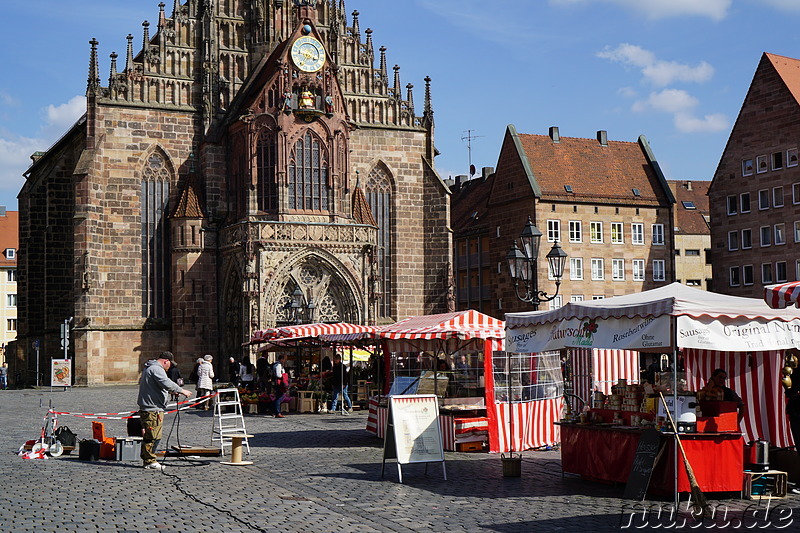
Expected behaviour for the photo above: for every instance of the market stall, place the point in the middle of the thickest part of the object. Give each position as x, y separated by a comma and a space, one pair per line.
741, 335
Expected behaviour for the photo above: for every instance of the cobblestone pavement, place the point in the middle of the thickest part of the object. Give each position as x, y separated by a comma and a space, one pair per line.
311, 473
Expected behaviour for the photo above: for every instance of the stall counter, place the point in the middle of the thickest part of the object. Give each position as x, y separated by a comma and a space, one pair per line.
605, 453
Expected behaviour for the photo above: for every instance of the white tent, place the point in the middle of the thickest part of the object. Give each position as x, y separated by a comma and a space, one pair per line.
643, 322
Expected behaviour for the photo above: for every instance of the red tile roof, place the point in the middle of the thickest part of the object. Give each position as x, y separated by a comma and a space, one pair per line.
789, 71
9, 237
691, 221
594, 172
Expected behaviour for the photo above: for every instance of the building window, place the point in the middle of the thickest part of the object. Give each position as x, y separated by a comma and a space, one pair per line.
637, 233
659, 273
796, 193
777, 161
694, 253
596, 232
734, 277
638, 269
618, 269
658, 234
156, 177
308, 175
766, 273
791, 157
763, 199
761, 164
780, 234
378, 193
732, 204
597, 269
575, 231
266, 160
766, 236
797, 270
777, 197
598, 297
733, 240
747, 274
576, 268
780, 272
11, 300
556, 303
11, 253
744, 202
797, 231
553, 230
11, 324
747, 239
576, 298
11, 275
616, 233
747, 167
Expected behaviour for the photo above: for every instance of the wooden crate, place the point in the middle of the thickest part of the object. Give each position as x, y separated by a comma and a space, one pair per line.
770, 483
476, 446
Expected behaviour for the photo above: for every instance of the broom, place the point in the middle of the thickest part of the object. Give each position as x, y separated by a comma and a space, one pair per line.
697, 494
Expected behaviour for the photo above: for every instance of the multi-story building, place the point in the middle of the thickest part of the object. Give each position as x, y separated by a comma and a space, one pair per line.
606, 203
692, 233
253, 159
9, 246
754, 197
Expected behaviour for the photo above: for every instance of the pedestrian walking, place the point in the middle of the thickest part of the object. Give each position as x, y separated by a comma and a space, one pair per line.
154, 387
4, 376
281, 384
340, 379
205, 381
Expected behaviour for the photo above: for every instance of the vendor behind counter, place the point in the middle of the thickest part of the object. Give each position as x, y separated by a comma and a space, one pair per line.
715, 390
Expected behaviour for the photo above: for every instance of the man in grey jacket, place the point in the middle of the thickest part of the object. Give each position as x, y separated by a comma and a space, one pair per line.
154, 389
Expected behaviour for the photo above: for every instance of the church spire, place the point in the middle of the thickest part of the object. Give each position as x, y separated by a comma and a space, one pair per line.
162, 17
396, 89
93, 83
176, 6
370, 51
410, 98
113, 75
145, 39
384, 74
427, 113
129, 56
356, 29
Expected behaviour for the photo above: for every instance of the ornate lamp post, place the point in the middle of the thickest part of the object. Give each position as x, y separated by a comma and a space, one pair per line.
522, 264
297, 311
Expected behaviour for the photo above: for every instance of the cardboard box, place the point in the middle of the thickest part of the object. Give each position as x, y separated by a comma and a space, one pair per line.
469, 446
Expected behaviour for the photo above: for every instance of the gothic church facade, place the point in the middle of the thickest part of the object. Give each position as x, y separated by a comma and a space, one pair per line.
249, 167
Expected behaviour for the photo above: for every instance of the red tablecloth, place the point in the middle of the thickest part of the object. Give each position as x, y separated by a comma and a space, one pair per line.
606, 454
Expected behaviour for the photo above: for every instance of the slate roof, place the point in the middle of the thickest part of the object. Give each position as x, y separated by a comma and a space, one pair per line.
595, 172
468, 205
691, 221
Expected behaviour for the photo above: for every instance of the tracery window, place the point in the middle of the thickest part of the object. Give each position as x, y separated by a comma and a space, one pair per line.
378, 192
266, 154
155, 237
308, 175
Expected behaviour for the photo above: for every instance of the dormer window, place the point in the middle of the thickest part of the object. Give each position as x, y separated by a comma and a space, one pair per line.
11, 253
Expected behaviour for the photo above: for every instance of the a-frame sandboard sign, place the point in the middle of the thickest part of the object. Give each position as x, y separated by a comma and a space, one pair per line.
413, 434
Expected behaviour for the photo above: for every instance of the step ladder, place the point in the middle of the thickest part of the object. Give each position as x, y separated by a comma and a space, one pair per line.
228, 423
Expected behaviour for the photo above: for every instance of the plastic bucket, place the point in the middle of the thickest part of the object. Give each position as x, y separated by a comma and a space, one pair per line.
512, 465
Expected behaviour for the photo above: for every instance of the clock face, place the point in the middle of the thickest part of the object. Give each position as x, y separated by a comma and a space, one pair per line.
308, 54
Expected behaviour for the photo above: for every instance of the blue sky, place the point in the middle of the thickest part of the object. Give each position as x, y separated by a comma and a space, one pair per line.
673, 70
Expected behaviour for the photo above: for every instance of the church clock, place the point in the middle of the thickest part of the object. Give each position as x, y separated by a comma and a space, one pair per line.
308, 54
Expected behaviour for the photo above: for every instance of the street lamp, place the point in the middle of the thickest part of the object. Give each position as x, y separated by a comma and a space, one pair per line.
522, 265
296, 311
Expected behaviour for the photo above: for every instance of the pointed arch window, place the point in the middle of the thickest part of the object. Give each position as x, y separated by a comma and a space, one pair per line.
378, 192
308, 175
156, 178
266, 154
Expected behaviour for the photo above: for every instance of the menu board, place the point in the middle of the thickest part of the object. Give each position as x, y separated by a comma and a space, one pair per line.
647, 453
60, 372
413, 434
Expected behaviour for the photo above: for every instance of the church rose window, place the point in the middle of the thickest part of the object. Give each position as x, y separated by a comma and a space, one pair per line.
308, 175
155, 237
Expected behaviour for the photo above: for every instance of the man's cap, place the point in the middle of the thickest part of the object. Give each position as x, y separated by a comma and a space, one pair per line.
167, 355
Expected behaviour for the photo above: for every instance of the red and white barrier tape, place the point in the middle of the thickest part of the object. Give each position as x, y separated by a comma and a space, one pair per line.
132, 414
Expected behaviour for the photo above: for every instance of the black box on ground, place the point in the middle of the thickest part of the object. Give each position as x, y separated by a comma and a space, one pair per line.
89, 450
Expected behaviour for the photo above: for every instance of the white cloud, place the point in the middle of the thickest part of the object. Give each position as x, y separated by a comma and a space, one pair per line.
680, 105
16, 150
788, 5
658, 9
656, 71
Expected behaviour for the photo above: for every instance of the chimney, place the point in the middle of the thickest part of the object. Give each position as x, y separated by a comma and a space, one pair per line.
554, 134
2, 210
486, 172
602, 137
461, 179
687, 185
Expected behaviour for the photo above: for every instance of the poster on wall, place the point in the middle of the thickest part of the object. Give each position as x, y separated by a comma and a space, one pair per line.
61, 372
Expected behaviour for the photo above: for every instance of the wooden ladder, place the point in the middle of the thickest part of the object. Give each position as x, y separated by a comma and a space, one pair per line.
228, 423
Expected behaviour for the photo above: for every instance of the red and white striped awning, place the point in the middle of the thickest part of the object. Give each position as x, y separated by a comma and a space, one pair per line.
301, 331
464, 325
782, 295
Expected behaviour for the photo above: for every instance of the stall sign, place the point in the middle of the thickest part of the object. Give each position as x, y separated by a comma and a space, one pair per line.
61, 372
413, 433
707, 333
614, 333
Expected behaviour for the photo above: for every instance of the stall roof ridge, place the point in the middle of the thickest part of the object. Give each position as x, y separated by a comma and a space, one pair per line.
674, 299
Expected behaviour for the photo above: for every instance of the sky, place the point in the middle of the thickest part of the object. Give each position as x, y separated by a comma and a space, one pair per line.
676, 71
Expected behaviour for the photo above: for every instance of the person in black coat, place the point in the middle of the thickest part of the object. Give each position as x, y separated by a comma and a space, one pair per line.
340, 379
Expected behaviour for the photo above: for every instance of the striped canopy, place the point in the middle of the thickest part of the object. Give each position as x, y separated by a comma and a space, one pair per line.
309, 330
464, 325
782, 295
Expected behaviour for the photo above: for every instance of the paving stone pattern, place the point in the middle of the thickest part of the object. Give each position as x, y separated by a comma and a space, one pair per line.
311, 473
